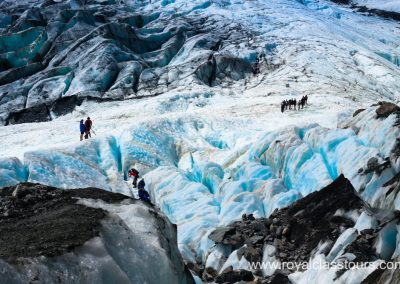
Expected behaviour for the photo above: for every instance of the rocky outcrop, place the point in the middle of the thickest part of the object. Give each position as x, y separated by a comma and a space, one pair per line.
234, 276
298, 231
387, 276
45, 112
378, 12
82, 235
386, 108
295, 231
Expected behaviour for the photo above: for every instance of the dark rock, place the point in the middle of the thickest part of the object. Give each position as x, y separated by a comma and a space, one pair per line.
363, 248
252, 255
209, 274
372, 162
37, 220
236, 239
219, 234
343, 2
279, 231
343, 221
95, 193
286, 231
255, 240
297, 230
259, 227
250, 217
373, 165
387, 276
386, 108
196, 268
277, 278
358, 111
282, 255
235, 276
52, 222
381, 13
220, 68
304, 224
37, 113
65, 105
277, 243
314, 225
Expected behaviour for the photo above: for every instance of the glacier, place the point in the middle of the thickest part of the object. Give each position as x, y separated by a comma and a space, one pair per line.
201, 185
52, 51
170, 88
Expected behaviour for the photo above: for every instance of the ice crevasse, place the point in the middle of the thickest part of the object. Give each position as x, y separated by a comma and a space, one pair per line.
203, 175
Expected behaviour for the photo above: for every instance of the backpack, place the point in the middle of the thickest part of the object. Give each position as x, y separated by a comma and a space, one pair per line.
141, 184
144, 195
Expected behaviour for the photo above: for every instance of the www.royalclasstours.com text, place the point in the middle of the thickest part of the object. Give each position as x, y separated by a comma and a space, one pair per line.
316, 265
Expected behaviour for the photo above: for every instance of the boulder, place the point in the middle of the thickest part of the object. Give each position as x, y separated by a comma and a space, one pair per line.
386, 108
49, 235
234, 276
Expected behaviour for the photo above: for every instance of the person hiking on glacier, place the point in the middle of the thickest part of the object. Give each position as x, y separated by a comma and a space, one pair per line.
143, 194
82, 129
88, 126
135, 174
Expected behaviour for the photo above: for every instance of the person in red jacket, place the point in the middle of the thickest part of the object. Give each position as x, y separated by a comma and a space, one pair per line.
135, 174
88, 126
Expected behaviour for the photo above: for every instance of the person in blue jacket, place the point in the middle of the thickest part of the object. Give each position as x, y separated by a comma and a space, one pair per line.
82, 128
143, 194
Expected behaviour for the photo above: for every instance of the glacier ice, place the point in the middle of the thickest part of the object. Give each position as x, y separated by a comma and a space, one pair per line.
204, 171
189, 183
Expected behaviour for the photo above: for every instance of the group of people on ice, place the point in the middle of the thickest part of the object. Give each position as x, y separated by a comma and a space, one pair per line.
85, 128
292, 103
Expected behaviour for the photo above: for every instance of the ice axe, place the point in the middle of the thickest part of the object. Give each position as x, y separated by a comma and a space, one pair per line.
93, 131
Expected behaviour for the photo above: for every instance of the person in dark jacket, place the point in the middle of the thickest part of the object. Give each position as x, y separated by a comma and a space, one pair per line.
88, 125
143, 194
82, 129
